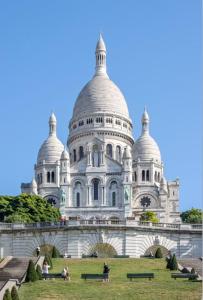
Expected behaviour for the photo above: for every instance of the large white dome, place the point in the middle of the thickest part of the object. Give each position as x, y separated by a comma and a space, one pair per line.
100, 95
51, 150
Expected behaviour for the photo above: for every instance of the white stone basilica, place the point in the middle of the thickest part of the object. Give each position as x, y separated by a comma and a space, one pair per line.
104, 173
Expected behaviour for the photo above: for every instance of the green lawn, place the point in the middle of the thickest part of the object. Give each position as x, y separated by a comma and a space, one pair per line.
162, 287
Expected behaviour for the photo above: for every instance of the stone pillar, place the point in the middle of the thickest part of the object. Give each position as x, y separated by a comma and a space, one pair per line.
57, 175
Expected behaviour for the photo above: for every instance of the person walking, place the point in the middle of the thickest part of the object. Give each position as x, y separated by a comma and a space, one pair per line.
38, 250
65, 274
106, 271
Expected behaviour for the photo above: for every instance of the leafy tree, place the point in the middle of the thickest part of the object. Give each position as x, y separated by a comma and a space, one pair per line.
31, 272
7, 295
47, 259
27, 208
173, 264
193, 215
39, 272
14, 293
55, 253
158, 253
149, 216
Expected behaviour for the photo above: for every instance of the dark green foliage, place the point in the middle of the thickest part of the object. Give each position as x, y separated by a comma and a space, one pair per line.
173, 264
149, 216
39, 272
55, 253
31, 272
14, 293
27, 208
168, 261
193, 215
47, 258
7, 295
158, 253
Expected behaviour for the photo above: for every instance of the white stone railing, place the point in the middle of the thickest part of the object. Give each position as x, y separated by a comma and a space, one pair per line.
98, 223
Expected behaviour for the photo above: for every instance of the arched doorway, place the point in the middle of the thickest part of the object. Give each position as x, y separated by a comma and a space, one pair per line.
103, 250
152, 250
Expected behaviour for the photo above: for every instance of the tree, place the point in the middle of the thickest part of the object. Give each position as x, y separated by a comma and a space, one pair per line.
55, 253
193, 215
27, 208
39, 272
47, 259
7, 295
149, 216
31, 272
173, 264
14, 293
158, 253
168, 261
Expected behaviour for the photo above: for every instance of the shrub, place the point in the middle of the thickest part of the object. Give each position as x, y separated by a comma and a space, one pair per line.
31, 272
158, 253
7, 295
14, 293
39, 272
48, 260
168, 261
174, 264
55, 252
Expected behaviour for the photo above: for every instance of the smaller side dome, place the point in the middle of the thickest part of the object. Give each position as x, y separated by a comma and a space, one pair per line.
51, 149
145, 148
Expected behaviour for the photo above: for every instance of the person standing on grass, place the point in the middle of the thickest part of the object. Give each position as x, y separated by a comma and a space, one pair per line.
45, 269
106, 271
65, 274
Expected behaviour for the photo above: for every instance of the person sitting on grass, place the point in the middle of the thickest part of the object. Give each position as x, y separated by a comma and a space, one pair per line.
106, 271
65, 274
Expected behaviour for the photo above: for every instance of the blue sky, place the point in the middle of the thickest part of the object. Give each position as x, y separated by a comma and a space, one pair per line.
154, 56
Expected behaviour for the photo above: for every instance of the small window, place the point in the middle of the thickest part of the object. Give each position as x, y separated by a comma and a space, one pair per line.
81, 152
48, 177
52, 177
114, 199
109, 150
135, 174
143, 175
147, 175
78, 199
74, 155
96, 189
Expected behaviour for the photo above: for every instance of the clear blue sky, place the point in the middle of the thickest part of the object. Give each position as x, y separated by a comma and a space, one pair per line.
154, 55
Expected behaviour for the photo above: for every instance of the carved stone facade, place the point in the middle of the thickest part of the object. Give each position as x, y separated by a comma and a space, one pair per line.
104, 173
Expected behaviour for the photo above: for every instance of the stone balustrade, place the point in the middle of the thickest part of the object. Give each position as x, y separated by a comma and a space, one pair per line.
118, 223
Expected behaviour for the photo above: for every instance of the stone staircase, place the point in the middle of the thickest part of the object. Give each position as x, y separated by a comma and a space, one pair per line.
190, 263
14, 270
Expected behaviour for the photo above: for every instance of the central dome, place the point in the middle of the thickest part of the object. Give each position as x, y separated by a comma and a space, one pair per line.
100, 95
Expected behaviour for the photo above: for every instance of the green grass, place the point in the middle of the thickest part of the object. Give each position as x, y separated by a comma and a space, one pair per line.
161, 287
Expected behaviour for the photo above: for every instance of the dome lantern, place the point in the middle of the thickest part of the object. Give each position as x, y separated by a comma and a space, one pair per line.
100, 54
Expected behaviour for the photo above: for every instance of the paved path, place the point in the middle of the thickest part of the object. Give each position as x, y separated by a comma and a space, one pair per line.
195, 263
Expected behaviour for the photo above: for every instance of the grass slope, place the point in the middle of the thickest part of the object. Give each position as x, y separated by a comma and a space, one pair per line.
162, 287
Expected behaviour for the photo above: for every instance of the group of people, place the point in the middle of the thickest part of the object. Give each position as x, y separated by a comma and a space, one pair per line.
65, 274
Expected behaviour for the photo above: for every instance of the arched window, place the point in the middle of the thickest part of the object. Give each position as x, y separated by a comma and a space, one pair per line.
135, 174
114, 199
81, 152
74, 155
52, 176
143, 175
118, 153
109, 150
48, 176
78, 199
40, 177
147, 175
158, 179
155, 176
96, 189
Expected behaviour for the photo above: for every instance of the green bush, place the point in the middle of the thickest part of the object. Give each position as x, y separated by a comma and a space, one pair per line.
158, 253
7, 295
173, 264
47, 258
55, 253
31, 272
168, 261
39, 272
14, 293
